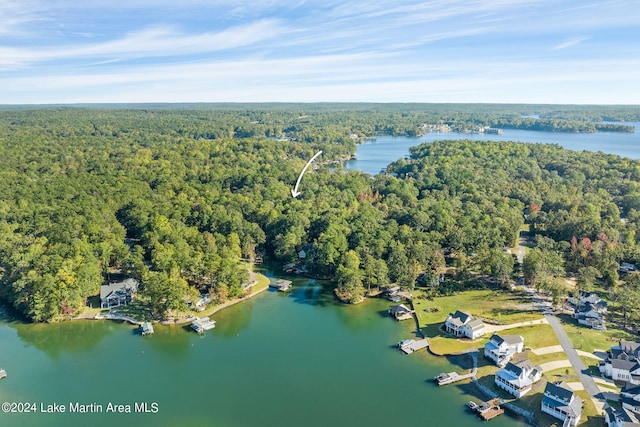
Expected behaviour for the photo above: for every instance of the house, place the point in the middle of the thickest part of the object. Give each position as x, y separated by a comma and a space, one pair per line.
620, 417
590, 315
118, 293
623, 363
561, 402
630, 398
589, 309
518, 378
500, 349
401, 312
584, 297
202, 302
462, 324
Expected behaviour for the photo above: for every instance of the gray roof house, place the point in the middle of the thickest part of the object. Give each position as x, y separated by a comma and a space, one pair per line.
518, 378
461, 324
623, 363
561, 402
118, 293
500, 349
620, 417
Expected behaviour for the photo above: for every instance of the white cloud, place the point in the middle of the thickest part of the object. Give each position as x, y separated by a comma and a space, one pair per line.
151, 42
574, 41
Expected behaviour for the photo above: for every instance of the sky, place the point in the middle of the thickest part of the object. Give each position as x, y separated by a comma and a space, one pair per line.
461, 51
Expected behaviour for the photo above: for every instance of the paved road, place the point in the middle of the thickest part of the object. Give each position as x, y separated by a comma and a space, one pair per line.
588, 382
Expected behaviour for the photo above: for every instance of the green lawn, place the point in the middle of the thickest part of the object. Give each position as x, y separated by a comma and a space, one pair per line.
587, 339
499, 305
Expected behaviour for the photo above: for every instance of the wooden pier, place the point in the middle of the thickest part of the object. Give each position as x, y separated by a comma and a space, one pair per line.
487, 410
453, 377
281, 285
410, 346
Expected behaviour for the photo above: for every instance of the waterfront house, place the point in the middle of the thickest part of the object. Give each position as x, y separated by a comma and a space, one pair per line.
500, 349
462, 324
517, 379
623, 363
561, 402
118, 293
202, 302
401, 312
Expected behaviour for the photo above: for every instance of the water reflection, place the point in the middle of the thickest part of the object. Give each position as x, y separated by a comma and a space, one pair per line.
65, 337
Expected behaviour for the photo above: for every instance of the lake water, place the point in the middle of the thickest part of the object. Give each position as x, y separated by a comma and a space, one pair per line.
277, 360
301, 359
374, 155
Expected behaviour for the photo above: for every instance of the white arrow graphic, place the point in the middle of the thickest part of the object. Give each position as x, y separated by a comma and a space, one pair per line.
295, 193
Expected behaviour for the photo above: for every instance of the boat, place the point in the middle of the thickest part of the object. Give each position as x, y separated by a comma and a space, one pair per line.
472, 405
404, 343
3, 373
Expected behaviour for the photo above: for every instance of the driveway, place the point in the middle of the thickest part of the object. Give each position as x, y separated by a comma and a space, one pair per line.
588, 382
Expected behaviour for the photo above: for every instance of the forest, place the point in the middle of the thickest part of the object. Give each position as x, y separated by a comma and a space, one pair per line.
177, 196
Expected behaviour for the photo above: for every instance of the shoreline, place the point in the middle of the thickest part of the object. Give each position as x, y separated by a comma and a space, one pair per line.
262, 284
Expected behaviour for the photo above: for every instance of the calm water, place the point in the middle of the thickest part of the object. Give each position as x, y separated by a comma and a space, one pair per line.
374, 155
276, 360
299, 359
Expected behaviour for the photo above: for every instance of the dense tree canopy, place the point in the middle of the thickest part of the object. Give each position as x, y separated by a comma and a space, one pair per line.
178, 197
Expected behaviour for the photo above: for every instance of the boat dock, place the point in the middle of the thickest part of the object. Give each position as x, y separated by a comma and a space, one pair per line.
146, 328
3, 373
487, 410
281, 285
453, 377
200, 325
410, 346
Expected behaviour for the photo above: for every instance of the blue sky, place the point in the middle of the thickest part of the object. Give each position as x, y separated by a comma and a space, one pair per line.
532, 51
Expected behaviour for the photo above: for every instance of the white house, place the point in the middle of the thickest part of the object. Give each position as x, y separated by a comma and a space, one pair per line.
461, 324
500, 349
561, 402
623, 363
518, 378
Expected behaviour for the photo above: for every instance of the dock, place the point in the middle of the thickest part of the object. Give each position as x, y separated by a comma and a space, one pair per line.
146, 328
200, 325
3, 374
410, 346
487, 410
453, 377
281, 285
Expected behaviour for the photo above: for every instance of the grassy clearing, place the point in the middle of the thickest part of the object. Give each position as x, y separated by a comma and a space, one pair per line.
536, 336
567, 374
498, 305
545, 358
587, 339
